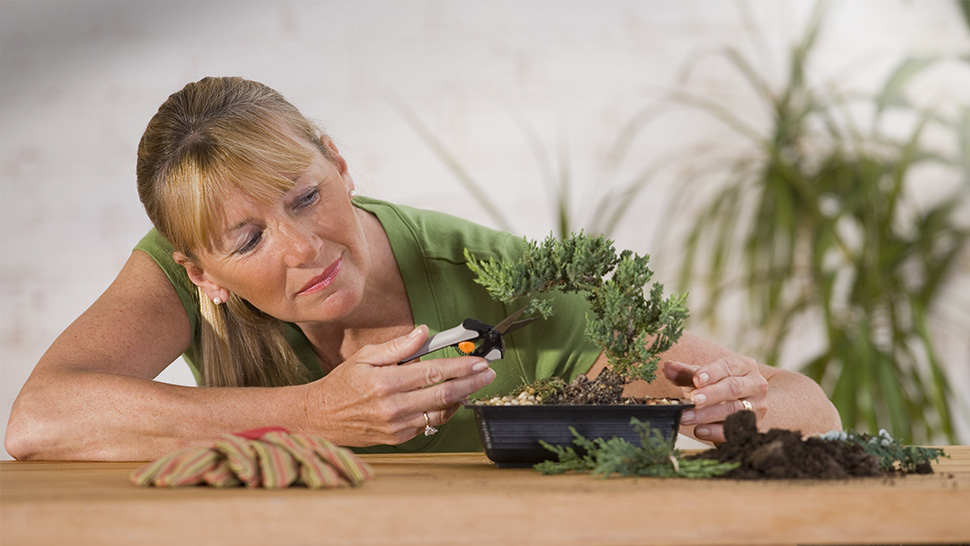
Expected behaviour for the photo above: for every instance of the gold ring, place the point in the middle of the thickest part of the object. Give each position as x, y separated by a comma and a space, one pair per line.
429, 430
748, 406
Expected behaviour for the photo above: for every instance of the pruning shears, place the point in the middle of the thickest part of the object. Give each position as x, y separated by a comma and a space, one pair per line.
474, 337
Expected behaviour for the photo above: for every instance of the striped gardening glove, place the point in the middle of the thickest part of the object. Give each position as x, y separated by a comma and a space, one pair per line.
272, 458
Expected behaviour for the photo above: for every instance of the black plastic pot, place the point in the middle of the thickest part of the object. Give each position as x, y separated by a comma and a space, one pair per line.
511, 434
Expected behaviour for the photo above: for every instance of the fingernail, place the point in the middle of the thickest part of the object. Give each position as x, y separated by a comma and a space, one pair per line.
703, 378
416, 332
490, 375
702, 432
480, 366
699, 399
687, 417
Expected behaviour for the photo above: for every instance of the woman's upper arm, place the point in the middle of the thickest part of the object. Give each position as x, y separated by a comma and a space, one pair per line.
137, 327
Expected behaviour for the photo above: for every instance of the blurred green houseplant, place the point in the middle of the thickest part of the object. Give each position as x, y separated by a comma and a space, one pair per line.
816, 224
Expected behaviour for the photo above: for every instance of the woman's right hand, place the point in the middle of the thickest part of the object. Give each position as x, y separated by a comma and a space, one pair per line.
370, 400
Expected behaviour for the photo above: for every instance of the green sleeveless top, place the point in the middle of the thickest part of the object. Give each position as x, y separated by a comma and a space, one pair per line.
429, 249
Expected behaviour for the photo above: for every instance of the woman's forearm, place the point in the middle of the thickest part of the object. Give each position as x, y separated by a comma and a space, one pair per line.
100, 416
796, 402
367, 400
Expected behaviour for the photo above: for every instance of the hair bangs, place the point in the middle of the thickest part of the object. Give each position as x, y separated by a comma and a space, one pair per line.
259, 164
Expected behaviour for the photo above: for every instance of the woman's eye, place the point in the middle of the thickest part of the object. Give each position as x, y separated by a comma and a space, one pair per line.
307, 199
250, 242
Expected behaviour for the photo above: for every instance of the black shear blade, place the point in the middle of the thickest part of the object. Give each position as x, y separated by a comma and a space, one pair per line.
510, 324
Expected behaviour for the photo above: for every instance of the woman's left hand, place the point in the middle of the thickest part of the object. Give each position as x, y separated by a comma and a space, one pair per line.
718, 389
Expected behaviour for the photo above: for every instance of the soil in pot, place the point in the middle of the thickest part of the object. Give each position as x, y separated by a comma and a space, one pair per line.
606, 389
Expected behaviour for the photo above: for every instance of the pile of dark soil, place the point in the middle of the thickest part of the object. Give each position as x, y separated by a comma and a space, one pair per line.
783, 454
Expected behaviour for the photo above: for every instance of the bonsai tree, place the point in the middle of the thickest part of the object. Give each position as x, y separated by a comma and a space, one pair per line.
631, 325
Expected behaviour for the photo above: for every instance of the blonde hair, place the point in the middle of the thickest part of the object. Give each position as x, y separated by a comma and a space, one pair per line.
215, 137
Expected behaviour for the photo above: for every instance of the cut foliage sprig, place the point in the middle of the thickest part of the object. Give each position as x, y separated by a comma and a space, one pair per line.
655, 457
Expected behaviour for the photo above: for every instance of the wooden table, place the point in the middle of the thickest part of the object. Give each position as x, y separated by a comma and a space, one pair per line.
463, 499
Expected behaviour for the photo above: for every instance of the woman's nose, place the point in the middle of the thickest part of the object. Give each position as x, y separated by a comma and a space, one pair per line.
303, 244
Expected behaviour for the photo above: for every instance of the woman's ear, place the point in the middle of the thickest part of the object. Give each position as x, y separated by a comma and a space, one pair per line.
216, 293
338, 160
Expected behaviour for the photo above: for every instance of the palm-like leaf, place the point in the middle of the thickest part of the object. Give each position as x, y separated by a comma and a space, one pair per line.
815, 216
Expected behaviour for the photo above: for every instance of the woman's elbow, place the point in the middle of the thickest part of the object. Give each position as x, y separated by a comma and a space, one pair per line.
30, 432
17, 439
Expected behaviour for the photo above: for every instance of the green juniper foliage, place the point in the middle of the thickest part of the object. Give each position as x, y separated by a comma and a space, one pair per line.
655, 457
614, 283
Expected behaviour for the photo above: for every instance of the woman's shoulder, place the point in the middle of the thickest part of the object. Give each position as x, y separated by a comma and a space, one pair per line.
160, 250
441, 235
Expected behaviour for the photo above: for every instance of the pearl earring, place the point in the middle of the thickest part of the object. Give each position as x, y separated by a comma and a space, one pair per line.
217, 300
353, 193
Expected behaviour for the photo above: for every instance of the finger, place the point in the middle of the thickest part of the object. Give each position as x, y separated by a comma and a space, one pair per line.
721, 368
752, 387
395, 350
440, 417
729, 388
711, 432
679, 373
436, 418
710, 414
432, 372
446, 394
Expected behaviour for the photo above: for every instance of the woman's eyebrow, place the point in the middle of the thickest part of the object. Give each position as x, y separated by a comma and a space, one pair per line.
243, 223
223, 239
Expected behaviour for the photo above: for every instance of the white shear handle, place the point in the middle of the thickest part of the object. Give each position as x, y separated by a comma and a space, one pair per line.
443, 339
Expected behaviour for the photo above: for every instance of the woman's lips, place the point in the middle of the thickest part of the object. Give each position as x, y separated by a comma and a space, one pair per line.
321, 281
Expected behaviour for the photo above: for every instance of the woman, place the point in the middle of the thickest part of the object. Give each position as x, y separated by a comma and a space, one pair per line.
293, 299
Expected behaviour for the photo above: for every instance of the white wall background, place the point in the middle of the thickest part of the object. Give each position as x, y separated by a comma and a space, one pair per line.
80, 79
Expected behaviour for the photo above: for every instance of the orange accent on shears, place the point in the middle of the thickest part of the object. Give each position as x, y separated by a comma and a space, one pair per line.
466, 347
